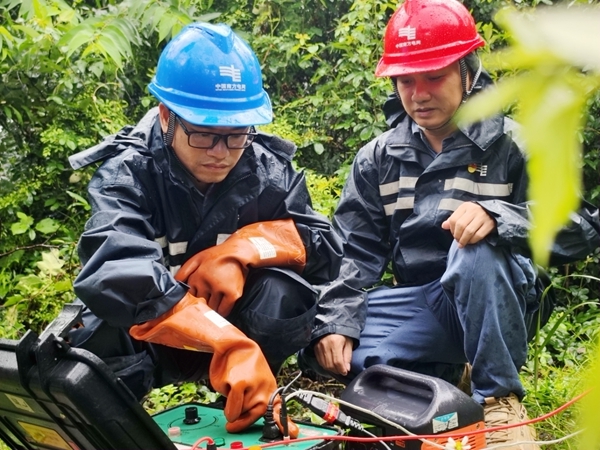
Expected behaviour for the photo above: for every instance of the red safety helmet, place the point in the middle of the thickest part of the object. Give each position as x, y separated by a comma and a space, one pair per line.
426, 35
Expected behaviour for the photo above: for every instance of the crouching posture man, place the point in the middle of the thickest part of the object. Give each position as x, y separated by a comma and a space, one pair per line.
448, 208
202, 248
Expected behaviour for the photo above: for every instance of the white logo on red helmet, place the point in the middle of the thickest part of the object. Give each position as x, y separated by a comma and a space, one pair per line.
410, 33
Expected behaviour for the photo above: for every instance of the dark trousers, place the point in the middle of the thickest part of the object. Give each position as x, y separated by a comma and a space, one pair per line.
478, 311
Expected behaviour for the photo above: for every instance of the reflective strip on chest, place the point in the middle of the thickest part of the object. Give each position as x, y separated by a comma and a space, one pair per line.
482, 189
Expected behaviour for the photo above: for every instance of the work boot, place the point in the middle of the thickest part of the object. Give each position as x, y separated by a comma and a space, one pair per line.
507, 411
464, 384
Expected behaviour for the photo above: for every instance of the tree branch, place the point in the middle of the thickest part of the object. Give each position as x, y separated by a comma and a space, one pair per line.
28, 247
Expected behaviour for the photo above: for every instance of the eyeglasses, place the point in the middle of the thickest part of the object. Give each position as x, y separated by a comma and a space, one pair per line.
206, 140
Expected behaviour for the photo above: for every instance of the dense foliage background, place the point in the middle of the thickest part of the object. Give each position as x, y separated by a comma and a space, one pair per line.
74, 72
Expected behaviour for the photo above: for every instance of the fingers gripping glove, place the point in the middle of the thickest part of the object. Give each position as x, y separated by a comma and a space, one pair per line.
238, 369
218, 273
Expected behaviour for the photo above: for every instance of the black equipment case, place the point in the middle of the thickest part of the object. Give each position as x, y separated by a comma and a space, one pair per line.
53, 396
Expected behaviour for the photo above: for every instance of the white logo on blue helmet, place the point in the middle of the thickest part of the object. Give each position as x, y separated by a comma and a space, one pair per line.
231, 71
236, 77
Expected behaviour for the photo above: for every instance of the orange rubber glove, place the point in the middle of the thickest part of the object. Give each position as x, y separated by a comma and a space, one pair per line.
292, 429
238, 369
218, 273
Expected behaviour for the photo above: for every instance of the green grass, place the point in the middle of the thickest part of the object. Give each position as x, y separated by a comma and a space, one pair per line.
554, 376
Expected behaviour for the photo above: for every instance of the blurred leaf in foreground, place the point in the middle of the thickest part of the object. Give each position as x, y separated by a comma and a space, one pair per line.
590, 409
555, 55
556, 58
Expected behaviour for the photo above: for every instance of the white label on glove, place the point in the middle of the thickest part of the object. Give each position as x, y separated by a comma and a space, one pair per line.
222, 237
266, 250
217, 319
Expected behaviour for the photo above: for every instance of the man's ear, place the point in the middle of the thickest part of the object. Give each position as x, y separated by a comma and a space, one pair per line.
163, 116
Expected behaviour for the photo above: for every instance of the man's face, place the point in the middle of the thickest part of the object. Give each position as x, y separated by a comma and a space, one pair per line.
206, 165
431, 98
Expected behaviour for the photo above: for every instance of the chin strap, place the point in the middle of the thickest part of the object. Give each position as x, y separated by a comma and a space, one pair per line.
168, 136
463, 75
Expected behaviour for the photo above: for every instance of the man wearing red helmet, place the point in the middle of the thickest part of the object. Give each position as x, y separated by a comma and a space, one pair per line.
447, 207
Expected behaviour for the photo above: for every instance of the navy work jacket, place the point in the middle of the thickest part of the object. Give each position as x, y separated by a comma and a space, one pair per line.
398, 194
148, 218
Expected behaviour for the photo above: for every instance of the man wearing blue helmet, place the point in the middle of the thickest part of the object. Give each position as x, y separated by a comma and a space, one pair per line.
201, 254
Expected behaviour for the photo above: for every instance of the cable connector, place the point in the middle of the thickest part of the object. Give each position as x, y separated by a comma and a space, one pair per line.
330, 412
270, 431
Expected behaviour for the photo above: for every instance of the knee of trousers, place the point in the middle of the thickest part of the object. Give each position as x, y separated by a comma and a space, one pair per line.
483, 261
277, 311
475, 257
275, 292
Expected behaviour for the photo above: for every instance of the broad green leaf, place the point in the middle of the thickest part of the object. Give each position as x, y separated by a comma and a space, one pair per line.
12, 300
5, 36
23, 225
127, 29
522, 58
551, 99
12, 258
29, 31
51, 262
153, 15
96, 68
42, 12
319, 148
67, 15
121, 42
10, 4
29, 282
78, 36
108, 47
26, 10
17, 115
166, 23
56, 99
47, 226
63, 286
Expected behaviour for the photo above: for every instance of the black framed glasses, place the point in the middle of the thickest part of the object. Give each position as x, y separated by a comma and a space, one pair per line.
207, 140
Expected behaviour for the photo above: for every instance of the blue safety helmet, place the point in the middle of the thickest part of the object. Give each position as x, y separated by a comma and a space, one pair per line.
207, 75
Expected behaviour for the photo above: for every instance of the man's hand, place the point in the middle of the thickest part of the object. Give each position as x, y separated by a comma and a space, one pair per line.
334, 353
469, 224
216, 276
